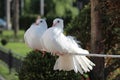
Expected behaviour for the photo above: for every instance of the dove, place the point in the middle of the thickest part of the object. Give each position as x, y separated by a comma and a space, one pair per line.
65, 46
33, 34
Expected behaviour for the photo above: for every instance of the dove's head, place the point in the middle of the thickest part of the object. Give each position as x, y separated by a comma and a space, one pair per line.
58, 23
43, 23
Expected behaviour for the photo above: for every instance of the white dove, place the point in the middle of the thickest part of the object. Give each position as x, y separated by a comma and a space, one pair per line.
33, 35
65, 46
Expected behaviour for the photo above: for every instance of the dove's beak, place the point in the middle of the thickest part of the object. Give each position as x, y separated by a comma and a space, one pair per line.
54, 24
37, 22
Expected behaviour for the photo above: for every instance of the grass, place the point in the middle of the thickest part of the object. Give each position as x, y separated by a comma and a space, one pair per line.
19, 48
17, 45
4, 71
9, 35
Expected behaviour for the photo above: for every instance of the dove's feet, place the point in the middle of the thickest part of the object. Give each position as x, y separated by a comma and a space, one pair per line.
59, 54
43, 53
36, 50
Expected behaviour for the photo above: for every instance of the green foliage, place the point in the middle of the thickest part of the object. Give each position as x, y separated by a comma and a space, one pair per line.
2, 8
35, 6
49, 8
36, 67
16, 45
80, 26
53, 8
65, 8
4, 71
26, 21
9, 35
111, 20
3, 42
111, 32
19, 48
27, 6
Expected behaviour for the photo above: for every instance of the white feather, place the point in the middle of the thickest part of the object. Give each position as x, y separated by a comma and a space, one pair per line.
56, 42
33, 35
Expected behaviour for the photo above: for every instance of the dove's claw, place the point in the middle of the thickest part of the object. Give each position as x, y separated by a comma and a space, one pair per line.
36, 50
59, 54
43, 53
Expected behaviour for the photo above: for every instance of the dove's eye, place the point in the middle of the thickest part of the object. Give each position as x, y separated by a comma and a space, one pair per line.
41, 21
58, 21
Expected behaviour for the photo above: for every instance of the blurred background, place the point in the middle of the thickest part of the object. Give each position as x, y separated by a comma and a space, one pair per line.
16, 16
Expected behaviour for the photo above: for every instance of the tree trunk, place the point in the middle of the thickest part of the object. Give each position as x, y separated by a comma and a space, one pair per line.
96, 42
8, 14
16, 17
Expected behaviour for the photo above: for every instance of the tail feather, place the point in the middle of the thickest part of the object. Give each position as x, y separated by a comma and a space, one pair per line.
85, 63
73, 62
88, 62
64, 63
77, 68
82, 63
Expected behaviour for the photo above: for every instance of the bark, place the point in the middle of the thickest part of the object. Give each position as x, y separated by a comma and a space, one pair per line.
8, 18
96, 42
16, 17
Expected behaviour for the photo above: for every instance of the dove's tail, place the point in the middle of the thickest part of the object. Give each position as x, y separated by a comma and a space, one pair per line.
64, 62
82, 64
74, 62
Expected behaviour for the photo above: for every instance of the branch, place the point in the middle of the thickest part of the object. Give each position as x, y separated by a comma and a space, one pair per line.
112, 67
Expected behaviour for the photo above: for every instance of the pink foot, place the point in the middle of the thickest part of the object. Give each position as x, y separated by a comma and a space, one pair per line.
59, 54
43, 53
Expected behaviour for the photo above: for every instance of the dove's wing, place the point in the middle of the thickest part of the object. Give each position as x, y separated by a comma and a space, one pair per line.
28, 36
64, 44
33, 35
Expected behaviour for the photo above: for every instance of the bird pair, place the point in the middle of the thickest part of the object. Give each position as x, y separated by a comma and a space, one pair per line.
54, 41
